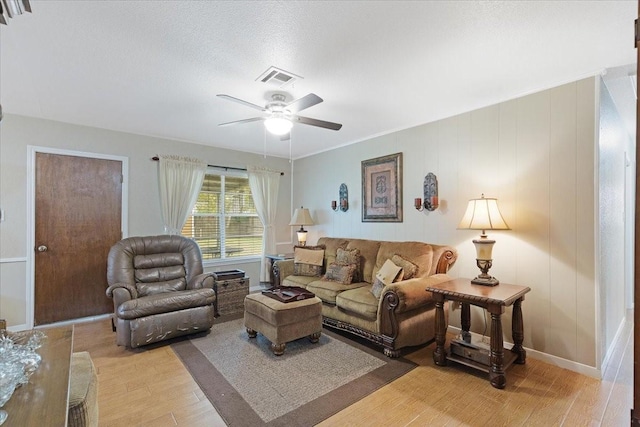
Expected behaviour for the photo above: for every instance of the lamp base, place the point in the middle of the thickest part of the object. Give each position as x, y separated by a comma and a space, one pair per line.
490, 281
483, 278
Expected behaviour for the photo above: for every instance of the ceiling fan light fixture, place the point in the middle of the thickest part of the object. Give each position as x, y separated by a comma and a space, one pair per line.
278, 125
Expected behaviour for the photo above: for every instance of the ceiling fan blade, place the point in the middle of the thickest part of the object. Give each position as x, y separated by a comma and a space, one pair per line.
240, 101
304, 102
318, 123
236, 122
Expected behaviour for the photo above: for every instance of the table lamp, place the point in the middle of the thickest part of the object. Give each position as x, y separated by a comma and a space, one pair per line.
483, 214
301, 217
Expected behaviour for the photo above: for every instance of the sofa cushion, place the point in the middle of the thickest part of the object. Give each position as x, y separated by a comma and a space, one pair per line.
388, 274
301, 281
350, 257
308, 261
340, 273
327, 290
369, 253
331, 245
409, 269
360, 301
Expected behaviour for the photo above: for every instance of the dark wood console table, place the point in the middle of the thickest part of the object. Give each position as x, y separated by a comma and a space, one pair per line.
494, 299
45, 399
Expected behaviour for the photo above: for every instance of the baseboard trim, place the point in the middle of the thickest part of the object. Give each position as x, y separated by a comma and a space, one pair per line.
614, 342
17, 328
24, 326
560, 362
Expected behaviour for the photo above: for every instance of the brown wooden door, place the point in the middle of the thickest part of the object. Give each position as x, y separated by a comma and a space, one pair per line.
78, 205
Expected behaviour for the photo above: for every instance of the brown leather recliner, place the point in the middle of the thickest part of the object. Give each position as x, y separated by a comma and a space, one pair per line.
159, 290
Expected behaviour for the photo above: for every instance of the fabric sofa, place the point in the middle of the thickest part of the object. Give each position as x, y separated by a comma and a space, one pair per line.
404, 313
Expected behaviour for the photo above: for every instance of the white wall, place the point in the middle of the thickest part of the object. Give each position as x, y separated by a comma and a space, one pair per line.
18, 132
613, 143
537, 155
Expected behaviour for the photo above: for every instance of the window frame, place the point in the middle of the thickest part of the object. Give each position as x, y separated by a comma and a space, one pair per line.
223, 217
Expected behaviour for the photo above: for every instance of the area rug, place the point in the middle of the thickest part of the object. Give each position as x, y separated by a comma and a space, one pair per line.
249, 386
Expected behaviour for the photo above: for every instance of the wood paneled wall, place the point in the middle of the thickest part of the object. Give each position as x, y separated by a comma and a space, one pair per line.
537, 154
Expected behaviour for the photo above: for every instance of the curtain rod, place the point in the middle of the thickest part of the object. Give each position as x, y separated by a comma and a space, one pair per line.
156, 158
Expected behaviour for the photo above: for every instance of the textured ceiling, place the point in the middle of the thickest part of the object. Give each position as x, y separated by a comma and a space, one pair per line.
154, 67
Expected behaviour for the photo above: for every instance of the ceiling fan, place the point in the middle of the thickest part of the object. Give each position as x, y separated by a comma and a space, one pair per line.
282, 115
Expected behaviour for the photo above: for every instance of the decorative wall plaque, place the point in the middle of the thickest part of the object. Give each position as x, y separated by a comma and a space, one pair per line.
430, 188
344, 197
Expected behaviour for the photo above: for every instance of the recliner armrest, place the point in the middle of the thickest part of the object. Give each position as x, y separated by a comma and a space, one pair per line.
412, 293
204, 280
133, 292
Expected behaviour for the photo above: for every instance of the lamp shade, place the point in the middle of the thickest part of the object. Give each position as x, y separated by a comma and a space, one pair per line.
278, 125
483, 214
301, 217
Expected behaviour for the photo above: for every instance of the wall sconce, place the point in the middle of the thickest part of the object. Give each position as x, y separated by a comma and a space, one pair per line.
344, 199
430, 189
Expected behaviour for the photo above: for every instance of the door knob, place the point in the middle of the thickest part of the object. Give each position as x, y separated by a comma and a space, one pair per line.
42, 248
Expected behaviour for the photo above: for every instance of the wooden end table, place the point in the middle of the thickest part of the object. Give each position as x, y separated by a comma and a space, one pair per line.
272, 259
494, 299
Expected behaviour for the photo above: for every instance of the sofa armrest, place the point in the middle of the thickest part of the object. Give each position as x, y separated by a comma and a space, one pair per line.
282, 269
410, 294
204, 280
446, 260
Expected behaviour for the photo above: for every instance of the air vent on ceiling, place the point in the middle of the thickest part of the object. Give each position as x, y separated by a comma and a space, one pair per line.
277, 77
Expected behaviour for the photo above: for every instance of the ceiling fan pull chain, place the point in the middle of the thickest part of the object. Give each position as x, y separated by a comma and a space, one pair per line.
290, 138
265, 141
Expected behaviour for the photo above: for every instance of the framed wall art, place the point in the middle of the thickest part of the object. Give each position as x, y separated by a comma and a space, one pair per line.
382, 189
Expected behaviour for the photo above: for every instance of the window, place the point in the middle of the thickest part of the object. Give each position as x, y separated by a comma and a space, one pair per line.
224, 221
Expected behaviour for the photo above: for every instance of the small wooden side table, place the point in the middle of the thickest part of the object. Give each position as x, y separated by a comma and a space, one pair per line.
274, 258
494, 299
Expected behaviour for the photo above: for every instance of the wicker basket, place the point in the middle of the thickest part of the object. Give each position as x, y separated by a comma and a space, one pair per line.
233, 286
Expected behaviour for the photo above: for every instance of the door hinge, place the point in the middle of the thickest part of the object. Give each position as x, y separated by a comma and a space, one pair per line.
121, 178
637, 33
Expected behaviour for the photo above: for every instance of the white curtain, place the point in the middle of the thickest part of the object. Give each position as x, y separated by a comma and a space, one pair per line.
264, 185
179, 180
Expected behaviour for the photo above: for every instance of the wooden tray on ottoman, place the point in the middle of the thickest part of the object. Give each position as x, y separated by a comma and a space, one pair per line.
232, 286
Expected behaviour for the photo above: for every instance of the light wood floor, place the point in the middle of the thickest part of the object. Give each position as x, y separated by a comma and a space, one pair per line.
151, 387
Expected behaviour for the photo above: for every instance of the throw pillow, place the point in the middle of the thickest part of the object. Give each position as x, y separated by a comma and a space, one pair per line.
409, 269
388, 273
349, 257
342, 274
308, 256
308, 261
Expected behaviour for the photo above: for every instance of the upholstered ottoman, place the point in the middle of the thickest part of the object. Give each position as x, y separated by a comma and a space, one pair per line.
83, 392
282, 322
